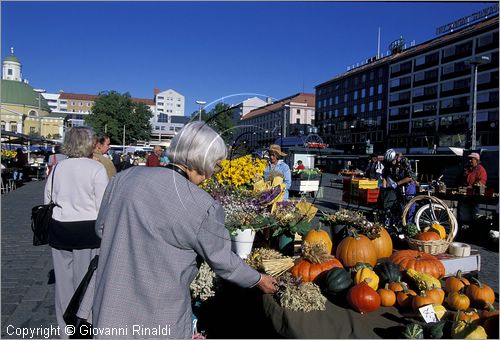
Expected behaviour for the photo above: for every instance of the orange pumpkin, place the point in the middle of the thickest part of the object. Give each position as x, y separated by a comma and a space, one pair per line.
387, 296
383, 244
405, 297
315, 236
309, 271
458, 301
455, 283
396, 287
420, 261
480, 294
356, 248
428, 236
421, 300
437, 294
469, 316
363, 298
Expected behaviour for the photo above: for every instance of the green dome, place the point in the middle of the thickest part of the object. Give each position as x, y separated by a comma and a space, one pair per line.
17, 92
12, 58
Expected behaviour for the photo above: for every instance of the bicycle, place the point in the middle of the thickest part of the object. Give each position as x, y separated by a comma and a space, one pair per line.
431, 210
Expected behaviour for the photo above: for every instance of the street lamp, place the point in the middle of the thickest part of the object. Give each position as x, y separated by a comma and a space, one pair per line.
39, 91
475, 62
201, 103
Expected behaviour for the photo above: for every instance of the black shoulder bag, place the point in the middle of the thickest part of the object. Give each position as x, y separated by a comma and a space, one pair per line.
40, 218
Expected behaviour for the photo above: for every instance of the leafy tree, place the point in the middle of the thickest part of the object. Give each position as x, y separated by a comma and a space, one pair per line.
112, 111
219, 118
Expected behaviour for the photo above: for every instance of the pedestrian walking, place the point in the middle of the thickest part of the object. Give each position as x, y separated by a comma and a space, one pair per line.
79, 184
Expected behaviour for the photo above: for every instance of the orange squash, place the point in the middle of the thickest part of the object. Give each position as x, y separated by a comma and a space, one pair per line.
458, 301
469, 316
315, 236
421, 300
309, 271
455, 283
383, 244
387, 296
437, 294
428, 236
396, 287
405, 297
356, 248
480, 294
420, 261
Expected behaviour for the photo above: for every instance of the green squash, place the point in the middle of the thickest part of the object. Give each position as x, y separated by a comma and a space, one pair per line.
435, 329
388, 272
413, 331
336, 280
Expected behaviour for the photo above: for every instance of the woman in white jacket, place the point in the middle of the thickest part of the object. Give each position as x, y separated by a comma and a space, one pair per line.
79, 184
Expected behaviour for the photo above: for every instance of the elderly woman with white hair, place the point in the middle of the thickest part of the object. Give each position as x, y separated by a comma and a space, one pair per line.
76, 185
154, 223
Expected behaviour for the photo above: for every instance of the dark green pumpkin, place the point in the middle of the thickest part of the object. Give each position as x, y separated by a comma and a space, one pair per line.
435, 330
413, 331
388, 272
336, 280
360, 265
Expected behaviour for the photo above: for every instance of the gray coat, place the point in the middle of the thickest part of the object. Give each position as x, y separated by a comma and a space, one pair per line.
154, 223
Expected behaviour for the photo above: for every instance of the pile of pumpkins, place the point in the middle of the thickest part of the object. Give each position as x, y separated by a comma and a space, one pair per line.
369, 275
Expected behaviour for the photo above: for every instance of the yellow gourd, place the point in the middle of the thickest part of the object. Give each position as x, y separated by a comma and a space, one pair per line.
438, 229
440, 310
423, 280
364, 273
465, 330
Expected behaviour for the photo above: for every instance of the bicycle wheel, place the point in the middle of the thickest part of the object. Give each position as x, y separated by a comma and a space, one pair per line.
424, 217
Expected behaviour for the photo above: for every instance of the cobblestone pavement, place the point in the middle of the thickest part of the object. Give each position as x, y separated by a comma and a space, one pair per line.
27, 296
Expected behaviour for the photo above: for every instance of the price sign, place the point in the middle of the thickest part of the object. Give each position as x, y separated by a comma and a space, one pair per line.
428, 314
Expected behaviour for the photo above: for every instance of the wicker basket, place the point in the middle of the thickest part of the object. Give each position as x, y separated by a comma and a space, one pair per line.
430, 247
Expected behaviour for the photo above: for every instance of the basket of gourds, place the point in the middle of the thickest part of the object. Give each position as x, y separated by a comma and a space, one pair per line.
433, 239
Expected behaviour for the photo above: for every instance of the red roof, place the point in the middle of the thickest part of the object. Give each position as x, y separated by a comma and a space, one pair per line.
93, 97
308, 98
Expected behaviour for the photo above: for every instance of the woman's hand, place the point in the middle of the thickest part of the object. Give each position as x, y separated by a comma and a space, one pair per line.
267, 284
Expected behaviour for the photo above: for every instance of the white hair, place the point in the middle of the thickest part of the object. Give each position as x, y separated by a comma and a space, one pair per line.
198, 147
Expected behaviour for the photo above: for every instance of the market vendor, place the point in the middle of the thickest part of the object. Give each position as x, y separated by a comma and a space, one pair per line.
277, 167
474, 175
399, 183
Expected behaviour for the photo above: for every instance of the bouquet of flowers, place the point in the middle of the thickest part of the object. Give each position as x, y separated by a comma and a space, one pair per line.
292, 217
8, 154
352, 219
241, 171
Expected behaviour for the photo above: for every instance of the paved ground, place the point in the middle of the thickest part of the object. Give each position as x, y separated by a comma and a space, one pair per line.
27, 297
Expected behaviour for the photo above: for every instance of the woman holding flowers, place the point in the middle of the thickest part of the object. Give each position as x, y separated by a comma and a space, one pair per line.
277, 167
154, 223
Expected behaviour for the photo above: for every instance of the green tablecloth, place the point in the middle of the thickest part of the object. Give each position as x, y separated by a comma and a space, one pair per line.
246, 313
336, 322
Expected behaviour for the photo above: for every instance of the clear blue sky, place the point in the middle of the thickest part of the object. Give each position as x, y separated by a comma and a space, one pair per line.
208, 50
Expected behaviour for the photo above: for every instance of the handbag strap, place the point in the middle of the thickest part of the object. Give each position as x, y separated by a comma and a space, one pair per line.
52, 184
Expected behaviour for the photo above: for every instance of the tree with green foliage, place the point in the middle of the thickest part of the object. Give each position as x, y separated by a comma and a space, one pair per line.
112, 111
219, 118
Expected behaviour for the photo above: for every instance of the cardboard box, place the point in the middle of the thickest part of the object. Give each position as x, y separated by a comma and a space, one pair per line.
466, 263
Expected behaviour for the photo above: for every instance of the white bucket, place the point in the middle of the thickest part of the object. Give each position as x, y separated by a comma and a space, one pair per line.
242, 242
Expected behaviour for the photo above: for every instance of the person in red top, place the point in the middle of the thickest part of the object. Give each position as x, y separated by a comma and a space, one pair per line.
300, 166
475, 174
154, 159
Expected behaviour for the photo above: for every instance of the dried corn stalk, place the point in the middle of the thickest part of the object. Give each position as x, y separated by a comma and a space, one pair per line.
299, 296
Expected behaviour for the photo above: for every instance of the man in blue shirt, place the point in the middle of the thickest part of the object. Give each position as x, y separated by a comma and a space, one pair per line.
277, 167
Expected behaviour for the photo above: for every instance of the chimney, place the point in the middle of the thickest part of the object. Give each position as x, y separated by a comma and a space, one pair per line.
269, 100
157, 90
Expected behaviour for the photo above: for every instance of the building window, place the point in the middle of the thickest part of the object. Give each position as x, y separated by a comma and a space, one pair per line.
9, 71
336, 112
355, 109
324, 102
370, 106
32, 129
160, 104
363, 93
355, 95
346, 111
336, 99
363, 78
379, 104
485, 40
371, 90
418, 92
380, 89
362, 108
297, 121
372, 75
319, 104
346, 97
